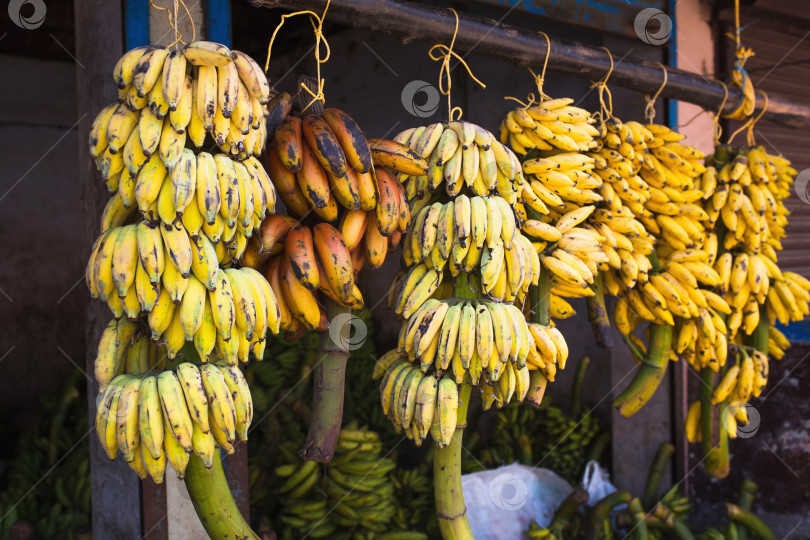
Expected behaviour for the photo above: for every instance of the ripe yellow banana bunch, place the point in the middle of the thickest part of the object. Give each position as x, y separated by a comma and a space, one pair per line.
747, 196
745, 379
227, 318
474, 233
788, 299
550, 351
559, 183
419, 403
778, 343
322, 163
460, 154
155, 419
167, 96
466, 338
548, 126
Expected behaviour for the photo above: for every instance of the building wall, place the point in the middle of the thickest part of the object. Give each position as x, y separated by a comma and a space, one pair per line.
42, 291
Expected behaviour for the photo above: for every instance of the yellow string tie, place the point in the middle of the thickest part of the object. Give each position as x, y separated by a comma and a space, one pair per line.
538, 80
605, 105
319, 37
750, 135
444, 72
173, 23
718, 129
649, 108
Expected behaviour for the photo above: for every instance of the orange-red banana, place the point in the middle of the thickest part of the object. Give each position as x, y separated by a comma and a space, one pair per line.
300, 252
336, 260
388, 199
352, 141
325, 146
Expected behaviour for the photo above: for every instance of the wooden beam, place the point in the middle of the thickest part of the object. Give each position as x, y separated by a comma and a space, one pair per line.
99, 44
413, 21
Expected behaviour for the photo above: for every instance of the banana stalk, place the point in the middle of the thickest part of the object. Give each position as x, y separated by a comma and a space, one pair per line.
579, 380
636, 512
540, 296
213, 501
750, 521
330, 376
662, 457
713, 435
598, 315
450, 508
759, 338
649, 375
451, 511
601, 512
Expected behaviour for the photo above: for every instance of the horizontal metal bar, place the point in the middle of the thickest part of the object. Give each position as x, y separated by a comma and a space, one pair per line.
413, 21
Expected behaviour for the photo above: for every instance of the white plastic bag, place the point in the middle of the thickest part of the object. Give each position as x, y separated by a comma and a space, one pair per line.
501, 503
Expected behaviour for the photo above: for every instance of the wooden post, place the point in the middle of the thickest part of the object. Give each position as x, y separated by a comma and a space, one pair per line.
99, 44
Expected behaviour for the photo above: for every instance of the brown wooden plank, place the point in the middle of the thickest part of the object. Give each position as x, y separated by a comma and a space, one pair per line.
116, 490
236, 469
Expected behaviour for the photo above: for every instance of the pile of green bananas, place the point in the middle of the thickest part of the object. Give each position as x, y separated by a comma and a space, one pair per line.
352, 497
413, 490
651, 516
47, 484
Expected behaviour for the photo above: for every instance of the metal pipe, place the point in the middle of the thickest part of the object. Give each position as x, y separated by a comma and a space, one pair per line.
414, 21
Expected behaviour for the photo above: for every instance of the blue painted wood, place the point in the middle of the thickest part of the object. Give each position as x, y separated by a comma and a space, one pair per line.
136, 23
615, 16
672, 53
796, 332
218, 21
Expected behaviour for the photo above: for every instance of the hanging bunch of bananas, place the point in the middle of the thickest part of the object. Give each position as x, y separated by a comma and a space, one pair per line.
140, 143
322, 163
303, 261
461, 326
155, 419
461, 154
562, 178
227, 315
550, 350
169, 95
747, 201
465, 234
466, 338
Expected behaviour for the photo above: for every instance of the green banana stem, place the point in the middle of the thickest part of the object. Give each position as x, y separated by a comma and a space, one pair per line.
567, 509
601, 511
636, 512
579, 381
540, 298
598, 315
759, 338
599, 446
213, 501
330, 377
662, 457
750, 521
744, 500
649, 375
451, 511
714, 437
